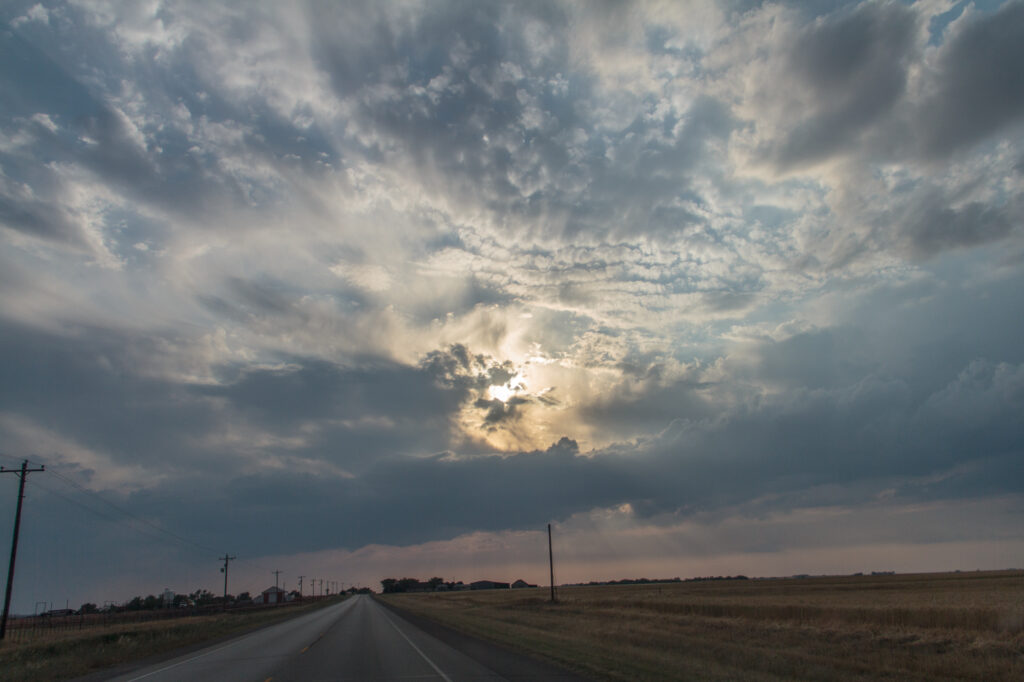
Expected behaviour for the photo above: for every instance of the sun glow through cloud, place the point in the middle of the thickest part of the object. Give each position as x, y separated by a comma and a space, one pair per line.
658, 268
501, 393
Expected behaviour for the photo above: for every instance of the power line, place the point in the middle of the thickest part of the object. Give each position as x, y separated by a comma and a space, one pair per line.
160, 529
226, 559
136, 523
141, 530
12, 458
22, 476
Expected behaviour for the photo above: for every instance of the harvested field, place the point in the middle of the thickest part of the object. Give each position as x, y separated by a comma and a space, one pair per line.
895, 627
65, 654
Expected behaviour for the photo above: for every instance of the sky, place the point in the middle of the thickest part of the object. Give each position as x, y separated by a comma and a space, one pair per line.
373, 289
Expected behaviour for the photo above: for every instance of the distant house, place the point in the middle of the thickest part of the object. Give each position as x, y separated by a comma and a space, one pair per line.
519, 584
271, 595
488, 585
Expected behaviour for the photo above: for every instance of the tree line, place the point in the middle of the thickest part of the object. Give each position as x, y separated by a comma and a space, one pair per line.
393, 585
198, 598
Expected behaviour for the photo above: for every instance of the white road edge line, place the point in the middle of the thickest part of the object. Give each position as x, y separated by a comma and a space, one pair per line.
406, 638
188, 660
213, 651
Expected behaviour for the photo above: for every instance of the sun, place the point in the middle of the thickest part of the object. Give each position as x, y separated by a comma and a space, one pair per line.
502, 393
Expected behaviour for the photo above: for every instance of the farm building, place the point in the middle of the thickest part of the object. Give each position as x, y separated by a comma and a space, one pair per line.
271, 595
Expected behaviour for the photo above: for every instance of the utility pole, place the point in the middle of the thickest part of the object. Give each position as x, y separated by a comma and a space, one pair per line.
226, 559
551, 564
276, 573
21, 474
321, 587
300, 585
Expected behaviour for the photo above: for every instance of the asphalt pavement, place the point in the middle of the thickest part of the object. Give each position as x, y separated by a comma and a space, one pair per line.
357, 639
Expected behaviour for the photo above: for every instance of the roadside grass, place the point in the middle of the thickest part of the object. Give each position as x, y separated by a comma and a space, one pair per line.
896, 627
67, 655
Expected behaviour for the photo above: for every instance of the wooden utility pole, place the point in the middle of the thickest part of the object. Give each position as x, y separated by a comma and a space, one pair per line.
300, 585
226, 559
21, 474
551, 564
276, 573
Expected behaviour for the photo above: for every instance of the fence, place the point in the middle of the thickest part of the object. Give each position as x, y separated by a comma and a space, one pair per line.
28, 628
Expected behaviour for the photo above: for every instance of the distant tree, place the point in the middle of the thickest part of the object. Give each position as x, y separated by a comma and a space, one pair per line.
244, 596
88, 608
406, 584
434, 582
203, 598
390, 585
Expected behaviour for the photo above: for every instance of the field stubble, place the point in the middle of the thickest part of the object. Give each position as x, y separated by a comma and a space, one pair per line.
66, 654
898, 627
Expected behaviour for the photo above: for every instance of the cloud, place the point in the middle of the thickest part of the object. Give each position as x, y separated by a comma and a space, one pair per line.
455, 270
852, 67
936, 228
977, 91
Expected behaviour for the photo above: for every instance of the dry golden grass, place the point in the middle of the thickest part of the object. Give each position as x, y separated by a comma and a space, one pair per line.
903, 627
63, 655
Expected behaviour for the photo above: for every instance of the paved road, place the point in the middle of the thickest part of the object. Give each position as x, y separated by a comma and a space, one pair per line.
357, 639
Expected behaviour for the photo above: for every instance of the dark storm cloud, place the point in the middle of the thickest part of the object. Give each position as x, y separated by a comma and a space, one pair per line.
898, 404
844, 421
649, 404
934, 228
86, 383
359, 412
93, 388
497, 412
854, 65
867, 437
816, 359
980, 85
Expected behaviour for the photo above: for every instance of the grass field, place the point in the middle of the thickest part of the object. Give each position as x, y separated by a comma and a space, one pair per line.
68, 654
953, 626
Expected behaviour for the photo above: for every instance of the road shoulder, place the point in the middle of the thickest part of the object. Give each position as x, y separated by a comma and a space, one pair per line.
509, 663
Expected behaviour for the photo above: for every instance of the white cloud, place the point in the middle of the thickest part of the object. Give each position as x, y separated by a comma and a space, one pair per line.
35, 13
668, 220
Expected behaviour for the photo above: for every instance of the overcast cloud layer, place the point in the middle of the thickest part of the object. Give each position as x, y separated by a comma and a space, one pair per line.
335, 280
